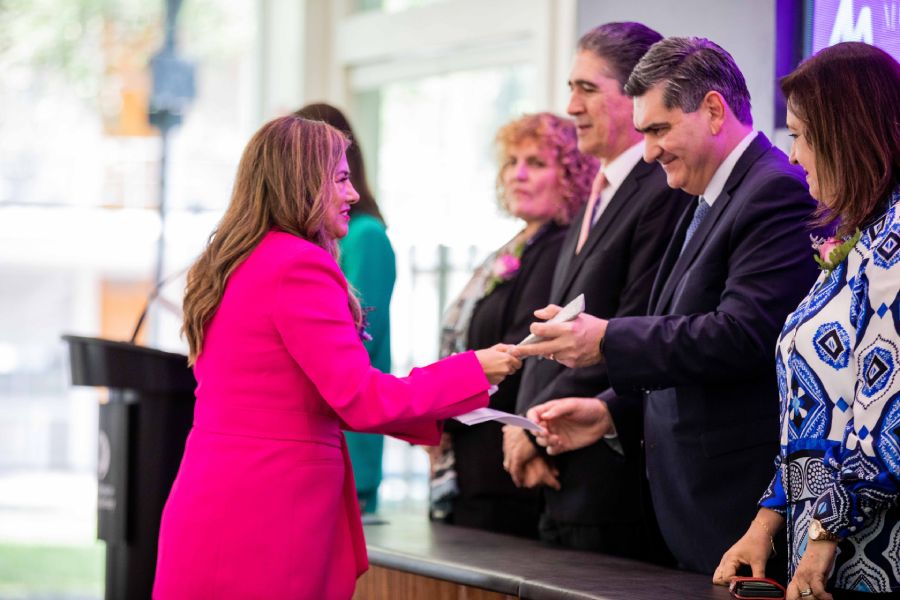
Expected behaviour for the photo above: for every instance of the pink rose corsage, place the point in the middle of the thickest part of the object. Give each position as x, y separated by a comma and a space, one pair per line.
830, 252
505, 267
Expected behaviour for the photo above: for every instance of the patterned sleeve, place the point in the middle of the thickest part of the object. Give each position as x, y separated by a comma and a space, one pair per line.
774, 497
868, 462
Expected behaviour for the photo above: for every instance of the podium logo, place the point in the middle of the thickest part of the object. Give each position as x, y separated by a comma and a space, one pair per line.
846, 30
104, 455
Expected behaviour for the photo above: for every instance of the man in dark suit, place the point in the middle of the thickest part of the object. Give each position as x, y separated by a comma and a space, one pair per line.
738, 263
611, 254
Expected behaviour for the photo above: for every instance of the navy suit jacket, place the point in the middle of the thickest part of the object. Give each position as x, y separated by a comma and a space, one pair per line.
615, 270
704, 360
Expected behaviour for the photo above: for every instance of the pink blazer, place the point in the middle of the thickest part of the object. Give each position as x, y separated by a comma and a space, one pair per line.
264, 504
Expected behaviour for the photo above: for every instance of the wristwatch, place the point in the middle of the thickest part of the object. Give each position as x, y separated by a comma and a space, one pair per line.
817, 533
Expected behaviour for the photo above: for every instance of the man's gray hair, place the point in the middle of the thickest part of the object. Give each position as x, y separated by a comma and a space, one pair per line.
690, 68
621, 45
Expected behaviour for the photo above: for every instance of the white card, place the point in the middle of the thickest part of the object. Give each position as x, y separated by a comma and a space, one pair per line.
482, 415
569, 312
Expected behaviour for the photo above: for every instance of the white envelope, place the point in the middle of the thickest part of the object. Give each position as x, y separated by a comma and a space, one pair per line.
482, 415
568, 313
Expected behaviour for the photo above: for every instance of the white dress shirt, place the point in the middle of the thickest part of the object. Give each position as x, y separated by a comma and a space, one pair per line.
615, 172
717, 183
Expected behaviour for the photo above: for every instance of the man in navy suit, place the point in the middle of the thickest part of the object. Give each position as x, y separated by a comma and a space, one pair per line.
738, 263
611, 254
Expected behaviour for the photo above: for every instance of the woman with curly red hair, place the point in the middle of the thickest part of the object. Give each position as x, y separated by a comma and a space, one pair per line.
543, 181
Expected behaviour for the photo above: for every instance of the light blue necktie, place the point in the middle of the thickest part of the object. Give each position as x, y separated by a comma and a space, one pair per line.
699, 214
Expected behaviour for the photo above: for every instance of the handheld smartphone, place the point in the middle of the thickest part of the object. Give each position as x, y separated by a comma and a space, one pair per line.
756, 587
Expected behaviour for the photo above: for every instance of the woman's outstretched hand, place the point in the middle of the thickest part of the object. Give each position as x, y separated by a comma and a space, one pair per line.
498, 363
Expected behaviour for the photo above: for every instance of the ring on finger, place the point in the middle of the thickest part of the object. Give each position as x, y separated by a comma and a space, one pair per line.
806, 593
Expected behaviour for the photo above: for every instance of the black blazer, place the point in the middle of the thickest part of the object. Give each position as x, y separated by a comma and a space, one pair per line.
705, 360
615, 270
487, 497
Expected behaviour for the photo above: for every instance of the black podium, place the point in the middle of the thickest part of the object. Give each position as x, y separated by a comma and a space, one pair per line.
143, 427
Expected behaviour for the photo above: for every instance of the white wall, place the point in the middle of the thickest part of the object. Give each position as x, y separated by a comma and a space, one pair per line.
745, 28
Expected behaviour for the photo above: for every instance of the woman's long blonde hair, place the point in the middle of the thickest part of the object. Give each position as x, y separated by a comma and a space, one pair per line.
284, 180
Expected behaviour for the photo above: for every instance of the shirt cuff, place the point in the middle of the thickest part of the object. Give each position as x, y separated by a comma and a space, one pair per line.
612, 440
774, 497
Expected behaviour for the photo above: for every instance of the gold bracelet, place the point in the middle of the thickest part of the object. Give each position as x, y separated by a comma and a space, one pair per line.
763, 525
768, 532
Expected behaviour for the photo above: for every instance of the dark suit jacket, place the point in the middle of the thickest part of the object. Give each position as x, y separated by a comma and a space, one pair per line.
487, 497
615, 270
705, 360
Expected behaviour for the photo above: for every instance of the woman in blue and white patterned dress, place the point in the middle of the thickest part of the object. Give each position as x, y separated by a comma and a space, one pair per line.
837, 485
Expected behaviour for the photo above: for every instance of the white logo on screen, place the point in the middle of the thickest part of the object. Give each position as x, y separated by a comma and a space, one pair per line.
845, 30
104, 455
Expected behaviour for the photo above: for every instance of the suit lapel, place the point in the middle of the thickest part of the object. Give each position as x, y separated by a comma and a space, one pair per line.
527, 267
670, 257
754, 151
566, 254
621, 199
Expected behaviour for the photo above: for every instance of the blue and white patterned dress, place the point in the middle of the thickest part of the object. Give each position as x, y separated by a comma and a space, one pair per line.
838, 359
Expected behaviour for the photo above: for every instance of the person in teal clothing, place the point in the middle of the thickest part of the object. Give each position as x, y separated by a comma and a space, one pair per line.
367, 260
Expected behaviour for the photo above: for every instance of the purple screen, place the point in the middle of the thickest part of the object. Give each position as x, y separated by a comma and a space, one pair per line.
873, 21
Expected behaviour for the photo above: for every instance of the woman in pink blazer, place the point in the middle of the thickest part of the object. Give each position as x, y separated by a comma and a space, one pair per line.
264, 504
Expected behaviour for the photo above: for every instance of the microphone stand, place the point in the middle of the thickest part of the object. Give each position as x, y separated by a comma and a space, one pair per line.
154, 295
